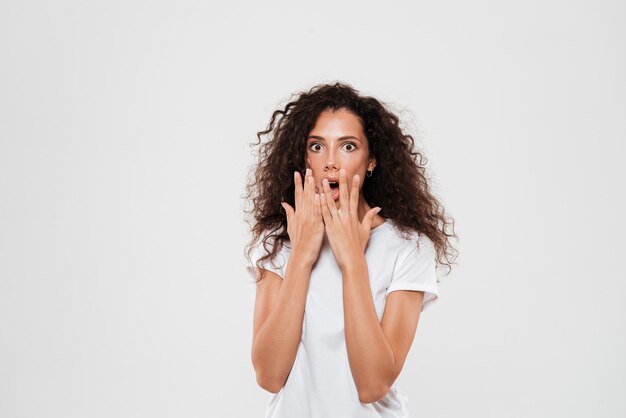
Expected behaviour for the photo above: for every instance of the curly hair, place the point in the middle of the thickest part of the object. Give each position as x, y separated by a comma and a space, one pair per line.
398, 185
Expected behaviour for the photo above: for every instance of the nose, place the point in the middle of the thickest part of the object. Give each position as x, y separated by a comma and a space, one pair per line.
330, 164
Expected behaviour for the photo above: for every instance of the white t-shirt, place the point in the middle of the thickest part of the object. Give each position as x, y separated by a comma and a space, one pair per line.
320, 384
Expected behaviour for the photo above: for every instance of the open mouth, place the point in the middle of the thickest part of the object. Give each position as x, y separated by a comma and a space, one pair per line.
334, 188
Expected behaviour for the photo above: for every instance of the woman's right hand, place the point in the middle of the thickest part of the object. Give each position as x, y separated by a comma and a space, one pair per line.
305, 225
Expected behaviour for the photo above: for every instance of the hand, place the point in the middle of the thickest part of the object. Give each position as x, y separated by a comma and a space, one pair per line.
347, 235
304, 224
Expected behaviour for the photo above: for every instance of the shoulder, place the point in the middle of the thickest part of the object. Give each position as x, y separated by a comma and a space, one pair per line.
409, 238
263, 247
401, 244
414, 268
267, 241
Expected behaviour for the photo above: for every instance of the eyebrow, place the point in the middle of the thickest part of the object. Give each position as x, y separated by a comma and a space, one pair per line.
343, 138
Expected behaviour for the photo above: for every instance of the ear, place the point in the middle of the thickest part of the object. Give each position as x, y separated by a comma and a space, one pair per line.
372, 164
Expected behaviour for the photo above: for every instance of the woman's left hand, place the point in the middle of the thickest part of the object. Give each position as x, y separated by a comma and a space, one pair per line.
347, 235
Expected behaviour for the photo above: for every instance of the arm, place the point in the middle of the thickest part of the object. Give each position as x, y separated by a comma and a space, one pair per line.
277, 328
376, 351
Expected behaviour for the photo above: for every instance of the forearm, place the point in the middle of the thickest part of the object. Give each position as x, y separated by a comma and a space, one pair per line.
276, 343
370, 355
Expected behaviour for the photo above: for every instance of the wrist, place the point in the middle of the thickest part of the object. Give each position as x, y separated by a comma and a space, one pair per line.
354, 262
301, 260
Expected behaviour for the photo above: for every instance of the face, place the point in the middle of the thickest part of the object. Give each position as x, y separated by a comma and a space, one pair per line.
337, 141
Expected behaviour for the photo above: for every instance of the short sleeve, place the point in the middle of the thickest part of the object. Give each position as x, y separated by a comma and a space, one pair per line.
276, 265
415, 270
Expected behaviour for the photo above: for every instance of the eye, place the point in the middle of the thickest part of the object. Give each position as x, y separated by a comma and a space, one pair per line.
315, 144
351, 145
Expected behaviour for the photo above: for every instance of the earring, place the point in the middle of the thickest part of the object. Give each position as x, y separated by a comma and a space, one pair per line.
369, 173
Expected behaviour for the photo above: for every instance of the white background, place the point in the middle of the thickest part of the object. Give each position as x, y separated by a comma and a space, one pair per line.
124, 133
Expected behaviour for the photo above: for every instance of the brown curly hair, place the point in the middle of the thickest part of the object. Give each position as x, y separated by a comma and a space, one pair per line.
398, 185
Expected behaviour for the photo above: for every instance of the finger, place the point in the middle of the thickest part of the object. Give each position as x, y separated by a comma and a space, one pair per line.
354, 197
288, 210
330, 202
369, 218
310, 191
344, 203
318, 208
305, 190
297, 180
324, 208
308, 186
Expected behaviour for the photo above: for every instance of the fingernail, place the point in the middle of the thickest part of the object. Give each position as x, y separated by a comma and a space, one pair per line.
342, 172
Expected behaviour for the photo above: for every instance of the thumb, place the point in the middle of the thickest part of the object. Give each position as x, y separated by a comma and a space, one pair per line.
369, 217
288, 209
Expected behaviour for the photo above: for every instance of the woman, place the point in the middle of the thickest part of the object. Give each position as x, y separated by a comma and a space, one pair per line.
345, 268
